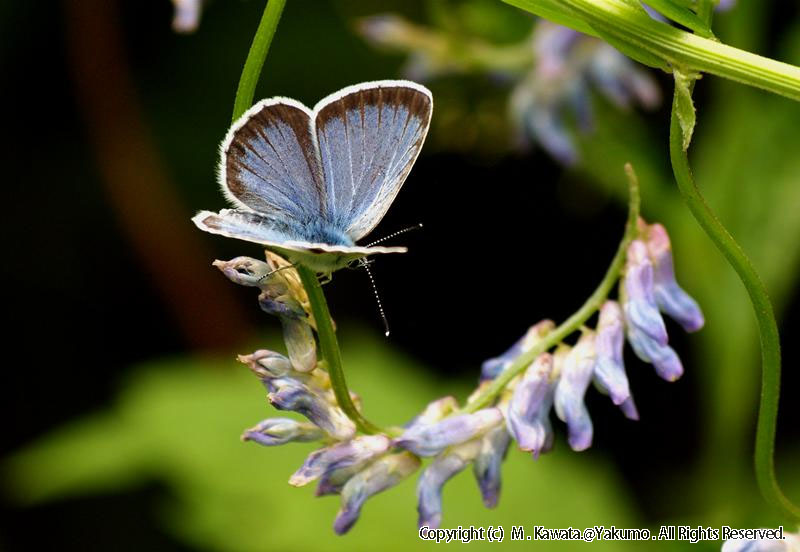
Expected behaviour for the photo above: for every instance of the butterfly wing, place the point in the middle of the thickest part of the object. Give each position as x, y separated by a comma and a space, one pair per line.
277, 235
369, 136
269, 162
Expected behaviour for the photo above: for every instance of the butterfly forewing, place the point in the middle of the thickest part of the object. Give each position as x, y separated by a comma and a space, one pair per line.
270, 163
369, 136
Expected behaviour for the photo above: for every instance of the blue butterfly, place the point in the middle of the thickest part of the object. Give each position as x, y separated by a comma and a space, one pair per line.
309, 183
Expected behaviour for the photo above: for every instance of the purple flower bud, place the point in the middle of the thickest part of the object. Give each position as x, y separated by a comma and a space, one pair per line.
278, 431
628, 408
639, 302
491, 368
609, 372
430, 440
725, 5
244, 271
552, 45
380, 475
438, 472
333, 481
669, 295
187, 15
355, 452
290, 394
486, 467
300, 344
267, 364
665, 360
573, 380
530, 405
619, 80
434, 412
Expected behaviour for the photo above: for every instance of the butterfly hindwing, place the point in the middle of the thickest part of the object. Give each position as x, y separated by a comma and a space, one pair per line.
369, 136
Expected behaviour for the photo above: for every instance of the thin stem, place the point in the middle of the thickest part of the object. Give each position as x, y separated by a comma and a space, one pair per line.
329, 347
256, 56
327, 337
627, 23
767, 326
578, 318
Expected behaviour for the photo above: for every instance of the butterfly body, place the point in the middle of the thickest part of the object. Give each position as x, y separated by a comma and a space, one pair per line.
308, 183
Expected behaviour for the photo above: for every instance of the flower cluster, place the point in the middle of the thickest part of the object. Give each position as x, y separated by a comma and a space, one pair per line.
358, 466
552, 74
567, 65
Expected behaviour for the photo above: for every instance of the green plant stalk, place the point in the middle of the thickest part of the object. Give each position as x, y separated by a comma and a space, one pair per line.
767, 326
329, 347
629, 24
256, 56
579, 317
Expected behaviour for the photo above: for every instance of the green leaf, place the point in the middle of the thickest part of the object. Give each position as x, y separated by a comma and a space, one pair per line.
681, 15
555, 12
686, 112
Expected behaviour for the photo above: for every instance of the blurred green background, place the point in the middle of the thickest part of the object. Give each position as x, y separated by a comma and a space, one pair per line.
122, 399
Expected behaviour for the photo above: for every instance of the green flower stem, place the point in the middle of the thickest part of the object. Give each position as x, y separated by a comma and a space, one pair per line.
327, 337
626, 23
767, 326
574, 322
329, 347
256, 56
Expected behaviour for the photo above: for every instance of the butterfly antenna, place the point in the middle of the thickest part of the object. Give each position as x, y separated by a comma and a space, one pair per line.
393, 234
377, 298
270, 273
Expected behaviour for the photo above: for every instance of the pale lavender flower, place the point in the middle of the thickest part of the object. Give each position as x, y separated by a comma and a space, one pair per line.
267, 364
281, 295
567, 65
671, 298
639, 301
290, 394
491, 368
530, 406
279, 431
187, 15
725, 5
628, 407
438, 472
574, 378
488, 462
356, 452
609, 371
300, 344
434, 412
430, 440
620, 81
663, 358
380, 475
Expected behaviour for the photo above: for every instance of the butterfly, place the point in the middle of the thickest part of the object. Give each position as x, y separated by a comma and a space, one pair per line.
309, 183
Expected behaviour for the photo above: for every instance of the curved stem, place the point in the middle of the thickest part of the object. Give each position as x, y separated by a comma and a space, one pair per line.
767, 326
574, 322
256, 56
627, 24
329, 347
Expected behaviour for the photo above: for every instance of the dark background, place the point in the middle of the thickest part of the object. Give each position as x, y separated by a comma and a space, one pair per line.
111, 125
